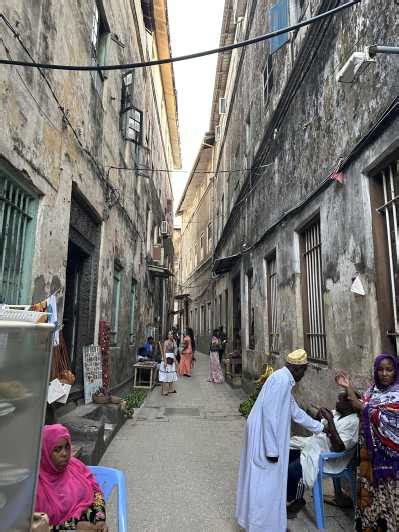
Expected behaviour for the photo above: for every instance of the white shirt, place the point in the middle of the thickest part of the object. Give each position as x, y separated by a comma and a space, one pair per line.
311, 447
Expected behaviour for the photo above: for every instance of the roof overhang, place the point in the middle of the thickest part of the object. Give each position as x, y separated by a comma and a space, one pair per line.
162, 38
225, 264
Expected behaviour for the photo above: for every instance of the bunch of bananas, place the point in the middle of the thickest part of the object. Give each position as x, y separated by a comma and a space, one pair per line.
246, 406
267, 371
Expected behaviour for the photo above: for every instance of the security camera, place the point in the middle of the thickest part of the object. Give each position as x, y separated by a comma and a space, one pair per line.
356, 64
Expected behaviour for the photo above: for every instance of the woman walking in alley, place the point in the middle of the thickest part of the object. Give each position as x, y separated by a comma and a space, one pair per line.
190, 333
186, 357
167, 369
215, 370
377, 508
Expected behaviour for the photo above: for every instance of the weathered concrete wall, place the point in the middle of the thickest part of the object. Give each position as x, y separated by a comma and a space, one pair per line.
62, 131
309, 123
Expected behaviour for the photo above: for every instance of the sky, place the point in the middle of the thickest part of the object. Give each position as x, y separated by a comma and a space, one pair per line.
194, 26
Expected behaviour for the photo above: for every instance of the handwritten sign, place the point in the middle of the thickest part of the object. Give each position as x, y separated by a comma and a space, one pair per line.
92, 370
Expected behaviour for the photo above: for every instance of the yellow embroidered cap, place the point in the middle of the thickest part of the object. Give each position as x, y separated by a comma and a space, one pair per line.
298, 357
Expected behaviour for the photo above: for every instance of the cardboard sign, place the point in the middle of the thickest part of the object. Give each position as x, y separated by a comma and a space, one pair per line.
92, 370
55, 391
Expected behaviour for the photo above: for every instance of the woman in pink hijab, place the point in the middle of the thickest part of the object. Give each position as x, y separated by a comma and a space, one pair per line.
67, 491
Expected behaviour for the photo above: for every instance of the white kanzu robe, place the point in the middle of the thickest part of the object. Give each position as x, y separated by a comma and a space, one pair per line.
262, 486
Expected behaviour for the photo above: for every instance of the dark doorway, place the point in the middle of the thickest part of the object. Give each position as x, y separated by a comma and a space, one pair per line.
236, 312
81, 283
73, 286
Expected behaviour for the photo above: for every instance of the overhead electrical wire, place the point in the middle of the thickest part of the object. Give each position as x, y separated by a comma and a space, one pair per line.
156, 62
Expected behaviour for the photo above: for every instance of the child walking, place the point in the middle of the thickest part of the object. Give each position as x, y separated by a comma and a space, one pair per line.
167, 369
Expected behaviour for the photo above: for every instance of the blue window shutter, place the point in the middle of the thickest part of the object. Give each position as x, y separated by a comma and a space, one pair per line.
278, 19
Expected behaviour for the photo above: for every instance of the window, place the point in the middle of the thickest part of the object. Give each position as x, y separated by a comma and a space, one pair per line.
250, 311
100, 36
278, 18
17, 225
220, 310
203, 319
267, 80
132, 328
115, 304
195, 255
215, 313
196, 328
222, 106
202, 246
127, 92
191, 319
384, 193
209, 238
134, 125
271, 288
209, 317
312, 292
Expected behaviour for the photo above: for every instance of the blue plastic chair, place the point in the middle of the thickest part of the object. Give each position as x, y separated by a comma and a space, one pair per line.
108, 478
349, 473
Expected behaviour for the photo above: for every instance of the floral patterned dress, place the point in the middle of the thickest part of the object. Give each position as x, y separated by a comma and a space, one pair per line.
94, 514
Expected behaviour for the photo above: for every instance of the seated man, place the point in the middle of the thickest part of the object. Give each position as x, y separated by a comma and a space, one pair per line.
341, 433
149, 347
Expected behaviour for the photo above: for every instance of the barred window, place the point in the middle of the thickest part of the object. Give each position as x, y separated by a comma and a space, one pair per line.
17, 217
388, 180
312, 292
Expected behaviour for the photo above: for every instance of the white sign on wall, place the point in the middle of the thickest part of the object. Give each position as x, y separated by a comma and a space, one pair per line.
92, 370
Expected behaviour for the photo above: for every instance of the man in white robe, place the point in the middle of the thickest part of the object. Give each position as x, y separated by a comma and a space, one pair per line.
262, 482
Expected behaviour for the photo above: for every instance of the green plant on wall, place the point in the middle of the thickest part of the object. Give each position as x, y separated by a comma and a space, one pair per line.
133, 399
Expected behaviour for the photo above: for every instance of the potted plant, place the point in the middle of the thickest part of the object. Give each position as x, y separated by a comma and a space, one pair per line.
101, 396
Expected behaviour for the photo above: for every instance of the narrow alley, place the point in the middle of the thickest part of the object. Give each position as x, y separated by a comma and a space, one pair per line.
180, 455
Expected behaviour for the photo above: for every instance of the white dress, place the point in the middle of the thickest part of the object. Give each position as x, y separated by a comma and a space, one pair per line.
262, 486
167, 372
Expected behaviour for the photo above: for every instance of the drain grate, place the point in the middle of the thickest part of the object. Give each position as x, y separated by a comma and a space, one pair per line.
191, 412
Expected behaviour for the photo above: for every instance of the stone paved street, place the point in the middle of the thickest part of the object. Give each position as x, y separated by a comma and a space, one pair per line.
180, 456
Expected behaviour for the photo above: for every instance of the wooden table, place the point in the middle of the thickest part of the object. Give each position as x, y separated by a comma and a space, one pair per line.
140, 369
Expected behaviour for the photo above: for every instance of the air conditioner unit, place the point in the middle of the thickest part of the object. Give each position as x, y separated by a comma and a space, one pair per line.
164, 228
222, 106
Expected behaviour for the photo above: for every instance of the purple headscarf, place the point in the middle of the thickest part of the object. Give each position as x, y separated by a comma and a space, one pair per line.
381, 423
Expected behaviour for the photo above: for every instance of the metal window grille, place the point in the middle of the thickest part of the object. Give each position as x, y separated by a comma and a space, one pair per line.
390, 184
272, 305
16, 217
316, 336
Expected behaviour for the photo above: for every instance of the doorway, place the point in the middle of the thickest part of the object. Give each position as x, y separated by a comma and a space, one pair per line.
73, 286
237, 312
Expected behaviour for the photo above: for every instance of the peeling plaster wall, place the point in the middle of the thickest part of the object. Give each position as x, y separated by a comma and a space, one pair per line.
309, 123
40, 148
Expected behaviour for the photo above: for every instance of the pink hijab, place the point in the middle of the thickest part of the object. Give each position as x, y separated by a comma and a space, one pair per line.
66, 494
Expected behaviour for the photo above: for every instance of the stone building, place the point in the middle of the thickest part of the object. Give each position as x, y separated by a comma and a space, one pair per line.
85, 194
305, 189
193, 272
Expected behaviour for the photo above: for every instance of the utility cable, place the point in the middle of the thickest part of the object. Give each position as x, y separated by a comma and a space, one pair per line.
221, 49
